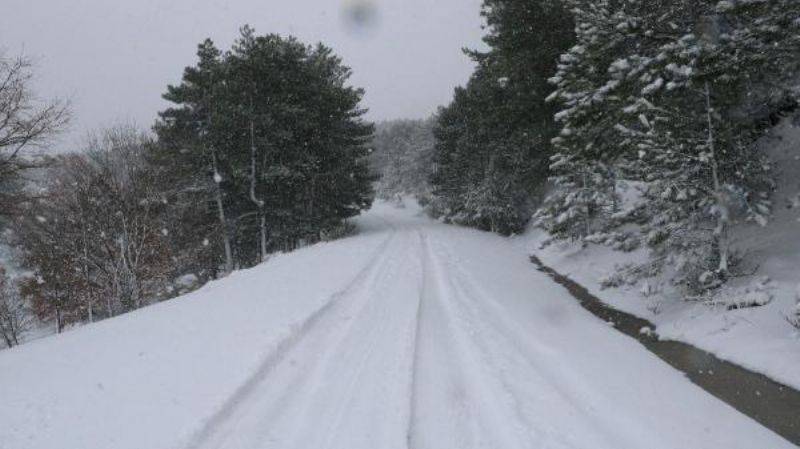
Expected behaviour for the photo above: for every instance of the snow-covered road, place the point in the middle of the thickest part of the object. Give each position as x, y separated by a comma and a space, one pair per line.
428, 337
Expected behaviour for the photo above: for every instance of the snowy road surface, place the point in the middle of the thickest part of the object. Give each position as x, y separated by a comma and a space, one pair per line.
411, 335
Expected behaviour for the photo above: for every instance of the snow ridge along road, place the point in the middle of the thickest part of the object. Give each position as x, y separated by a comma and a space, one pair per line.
411, 335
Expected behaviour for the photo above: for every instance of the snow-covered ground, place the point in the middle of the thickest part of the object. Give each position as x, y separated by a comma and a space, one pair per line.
412, 334
758, 338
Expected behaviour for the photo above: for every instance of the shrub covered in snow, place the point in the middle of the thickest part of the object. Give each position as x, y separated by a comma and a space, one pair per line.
756, 294
794, 317
625, 241
628, 274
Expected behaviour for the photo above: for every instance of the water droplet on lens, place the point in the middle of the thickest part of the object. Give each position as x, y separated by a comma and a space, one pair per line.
360, 15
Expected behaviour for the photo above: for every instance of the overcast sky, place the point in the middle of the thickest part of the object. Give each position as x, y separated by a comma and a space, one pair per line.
114, 58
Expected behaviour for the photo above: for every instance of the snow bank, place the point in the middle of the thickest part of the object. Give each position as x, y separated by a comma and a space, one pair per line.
149, 378
746, 324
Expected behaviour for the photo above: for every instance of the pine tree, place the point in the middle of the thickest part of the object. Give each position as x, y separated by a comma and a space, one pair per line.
193, 168
693, 118
673, 95
493, 140
763, 39
589, 84
276, 140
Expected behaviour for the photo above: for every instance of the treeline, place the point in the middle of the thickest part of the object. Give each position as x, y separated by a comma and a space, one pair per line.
402, 153
577, 98
574, 105
264, 149
25, 123
493, 141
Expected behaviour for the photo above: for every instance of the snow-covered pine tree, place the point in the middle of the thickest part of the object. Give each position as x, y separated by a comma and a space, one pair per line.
493, 141
494, 202
674, 95
451, 131
765, 37
483, 174
588, 87
698, 78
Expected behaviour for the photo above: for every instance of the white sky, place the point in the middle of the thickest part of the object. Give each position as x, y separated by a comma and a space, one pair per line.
113, 59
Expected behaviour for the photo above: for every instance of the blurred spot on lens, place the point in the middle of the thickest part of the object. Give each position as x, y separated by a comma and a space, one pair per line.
360, 16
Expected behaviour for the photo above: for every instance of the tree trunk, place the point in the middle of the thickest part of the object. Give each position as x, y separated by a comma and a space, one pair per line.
9, 343
223, 222
15, 330
264, 254
109, 306
86, 268
253, 174
59, 320
723, 213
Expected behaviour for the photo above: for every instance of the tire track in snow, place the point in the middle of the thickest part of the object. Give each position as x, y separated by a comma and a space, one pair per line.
356, 376
455, 400
513, 346
375, 365
413, 381
357, 398
471, 326
276, 355
298, 394
506, 348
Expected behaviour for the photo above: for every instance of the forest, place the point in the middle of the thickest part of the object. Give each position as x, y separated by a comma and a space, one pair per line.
265, 149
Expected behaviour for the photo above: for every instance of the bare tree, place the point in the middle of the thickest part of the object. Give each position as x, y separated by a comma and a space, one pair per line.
15, 316
128, 213
96, 237
25, 121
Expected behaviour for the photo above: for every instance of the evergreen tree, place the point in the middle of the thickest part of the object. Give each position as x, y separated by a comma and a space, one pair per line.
703, 92
479, 174
191, 166
588, 85
673, 95
273, 135
493, 140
